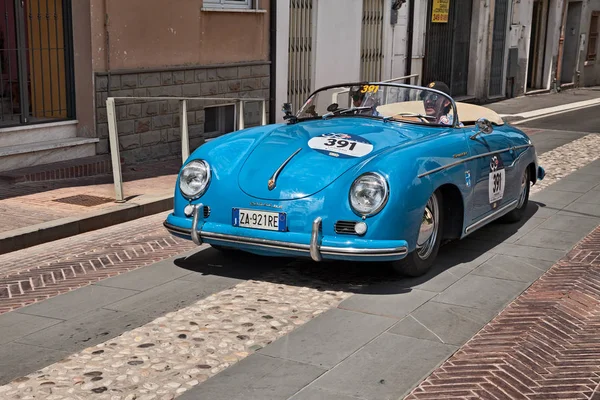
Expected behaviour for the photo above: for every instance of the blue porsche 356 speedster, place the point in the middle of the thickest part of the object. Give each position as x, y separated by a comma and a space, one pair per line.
362, 172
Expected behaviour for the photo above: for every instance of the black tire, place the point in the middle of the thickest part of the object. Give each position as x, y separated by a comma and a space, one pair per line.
419, 261
517, 214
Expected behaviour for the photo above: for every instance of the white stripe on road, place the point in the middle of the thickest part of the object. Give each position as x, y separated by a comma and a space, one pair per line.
555, 109
553, 114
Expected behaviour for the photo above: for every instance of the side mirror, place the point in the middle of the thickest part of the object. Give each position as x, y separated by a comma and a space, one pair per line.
287, 110
483, 126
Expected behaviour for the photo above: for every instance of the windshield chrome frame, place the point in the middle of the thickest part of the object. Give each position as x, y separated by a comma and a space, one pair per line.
455, 123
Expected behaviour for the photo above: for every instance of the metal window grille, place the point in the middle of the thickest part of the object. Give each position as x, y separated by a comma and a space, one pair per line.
371, 58
593, 37
300, 52
498, 47
36, 73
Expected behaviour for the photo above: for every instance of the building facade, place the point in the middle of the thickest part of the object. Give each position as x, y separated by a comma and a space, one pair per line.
60, 60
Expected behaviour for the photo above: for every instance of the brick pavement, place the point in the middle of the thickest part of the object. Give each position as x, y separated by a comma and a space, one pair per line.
59, 267
29, 203
544, 345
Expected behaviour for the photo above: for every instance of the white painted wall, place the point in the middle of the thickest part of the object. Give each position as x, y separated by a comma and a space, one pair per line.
337, 42
419, 34
281, 74
480, 52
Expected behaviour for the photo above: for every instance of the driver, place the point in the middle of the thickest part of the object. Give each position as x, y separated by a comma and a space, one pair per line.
363, 100
438, 106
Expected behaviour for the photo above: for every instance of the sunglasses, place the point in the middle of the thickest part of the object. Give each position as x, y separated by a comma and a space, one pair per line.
430, 97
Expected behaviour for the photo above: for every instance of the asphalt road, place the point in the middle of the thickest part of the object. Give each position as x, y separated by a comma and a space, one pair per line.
584, 120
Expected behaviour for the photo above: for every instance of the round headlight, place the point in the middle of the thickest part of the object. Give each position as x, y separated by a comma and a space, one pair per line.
194, 179
368, 194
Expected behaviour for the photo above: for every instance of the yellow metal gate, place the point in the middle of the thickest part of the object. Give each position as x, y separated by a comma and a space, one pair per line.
371, 56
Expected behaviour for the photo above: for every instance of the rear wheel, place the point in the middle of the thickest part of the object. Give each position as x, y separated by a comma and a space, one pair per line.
516, 214
422, 258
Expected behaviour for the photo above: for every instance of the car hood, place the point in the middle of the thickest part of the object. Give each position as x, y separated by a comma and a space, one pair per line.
310, 155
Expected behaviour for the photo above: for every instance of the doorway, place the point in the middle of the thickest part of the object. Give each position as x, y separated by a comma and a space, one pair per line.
537, 46
571, 43
36, 62
447, 45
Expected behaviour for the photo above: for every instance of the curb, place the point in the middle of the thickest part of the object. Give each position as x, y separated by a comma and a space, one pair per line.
30, 236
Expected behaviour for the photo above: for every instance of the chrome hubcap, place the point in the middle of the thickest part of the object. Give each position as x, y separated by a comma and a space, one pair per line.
429, 229
524, 181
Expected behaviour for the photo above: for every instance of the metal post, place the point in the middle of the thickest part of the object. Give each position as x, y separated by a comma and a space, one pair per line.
113, 137
264, 112
185, 137
22, 61
241, 115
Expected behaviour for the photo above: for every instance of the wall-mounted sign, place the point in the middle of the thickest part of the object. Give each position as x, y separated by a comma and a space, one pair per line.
440, 11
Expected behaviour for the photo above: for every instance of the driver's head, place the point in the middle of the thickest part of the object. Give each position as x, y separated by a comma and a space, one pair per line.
356, 95
436, 104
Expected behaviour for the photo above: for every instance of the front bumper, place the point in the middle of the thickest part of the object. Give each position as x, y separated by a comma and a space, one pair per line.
315, 245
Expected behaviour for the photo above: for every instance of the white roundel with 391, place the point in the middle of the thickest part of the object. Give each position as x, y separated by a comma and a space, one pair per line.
341, 144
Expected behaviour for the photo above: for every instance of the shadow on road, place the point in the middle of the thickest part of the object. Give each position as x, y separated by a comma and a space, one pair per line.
353, 277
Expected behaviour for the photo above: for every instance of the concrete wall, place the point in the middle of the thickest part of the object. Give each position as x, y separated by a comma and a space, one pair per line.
173, 48
84, 82
151, 129
158, 33
337, 42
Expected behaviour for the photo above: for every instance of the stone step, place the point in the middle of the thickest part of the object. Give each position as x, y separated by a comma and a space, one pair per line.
19, 135
49, 151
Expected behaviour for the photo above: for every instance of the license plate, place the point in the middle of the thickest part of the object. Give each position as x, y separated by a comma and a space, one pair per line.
257, 219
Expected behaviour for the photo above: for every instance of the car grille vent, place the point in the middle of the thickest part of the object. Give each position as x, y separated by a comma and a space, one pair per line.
206, 211
345, 227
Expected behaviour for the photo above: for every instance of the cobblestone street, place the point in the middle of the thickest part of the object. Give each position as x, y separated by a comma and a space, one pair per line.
176, 316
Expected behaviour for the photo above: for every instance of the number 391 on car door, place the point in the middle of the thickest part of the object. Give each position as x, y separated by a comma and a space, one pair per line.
497, 179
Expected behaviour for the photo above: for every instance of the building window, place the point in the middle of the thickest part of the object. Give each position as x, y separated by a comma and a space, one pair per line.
593, 37
219, 120
243, 4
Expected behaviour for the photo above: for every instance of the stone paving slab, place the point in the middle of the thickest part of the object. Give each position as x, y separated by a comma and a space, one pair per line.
330, 339
257, 377
385, 367
511, 268
443, 323
17, 359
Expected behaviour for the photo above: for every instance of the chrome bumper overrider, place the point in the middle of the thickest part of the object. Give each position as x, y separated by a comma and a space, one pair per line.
314, 249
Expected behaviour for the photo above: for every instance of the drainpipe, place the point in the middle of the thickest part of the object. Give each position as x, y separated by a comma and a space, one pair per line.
272, 56
561, 44
411, 24
107, 50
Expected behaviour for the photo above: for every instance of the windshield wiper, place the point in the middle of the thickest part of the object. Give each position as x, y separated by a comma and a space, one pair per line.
345, 110
406, 114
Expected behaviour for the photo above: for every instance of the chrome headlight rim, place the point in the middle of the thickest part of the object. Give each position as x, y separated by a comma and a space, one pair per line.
386, 196
206, 185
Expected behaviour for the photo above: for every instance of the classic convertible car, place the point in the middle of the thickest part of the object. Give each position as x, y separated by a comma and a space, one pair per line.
363, 172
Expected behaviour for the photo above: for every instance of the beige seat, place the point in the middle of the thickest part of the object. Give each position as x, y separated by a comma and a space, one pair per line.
467, 113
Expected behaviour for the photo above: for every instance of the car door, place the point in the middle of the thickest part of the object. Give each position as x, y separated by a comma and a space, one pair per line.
490, 165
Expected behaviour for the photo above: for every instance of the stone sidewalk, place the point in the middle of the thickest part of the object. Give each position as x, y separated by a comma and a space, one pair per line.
41, 211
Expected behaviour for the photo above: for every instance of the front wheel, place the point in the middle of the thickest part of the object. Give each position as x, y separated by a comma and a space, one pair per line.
429, 239
516, 214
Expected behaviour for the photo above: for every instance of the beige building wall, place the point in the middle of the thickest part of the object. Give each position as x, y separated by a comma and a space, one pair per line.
159, 33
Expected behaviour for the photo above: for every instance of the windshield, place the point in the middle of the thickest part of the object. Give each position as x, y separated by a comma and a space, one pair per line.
391, 101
